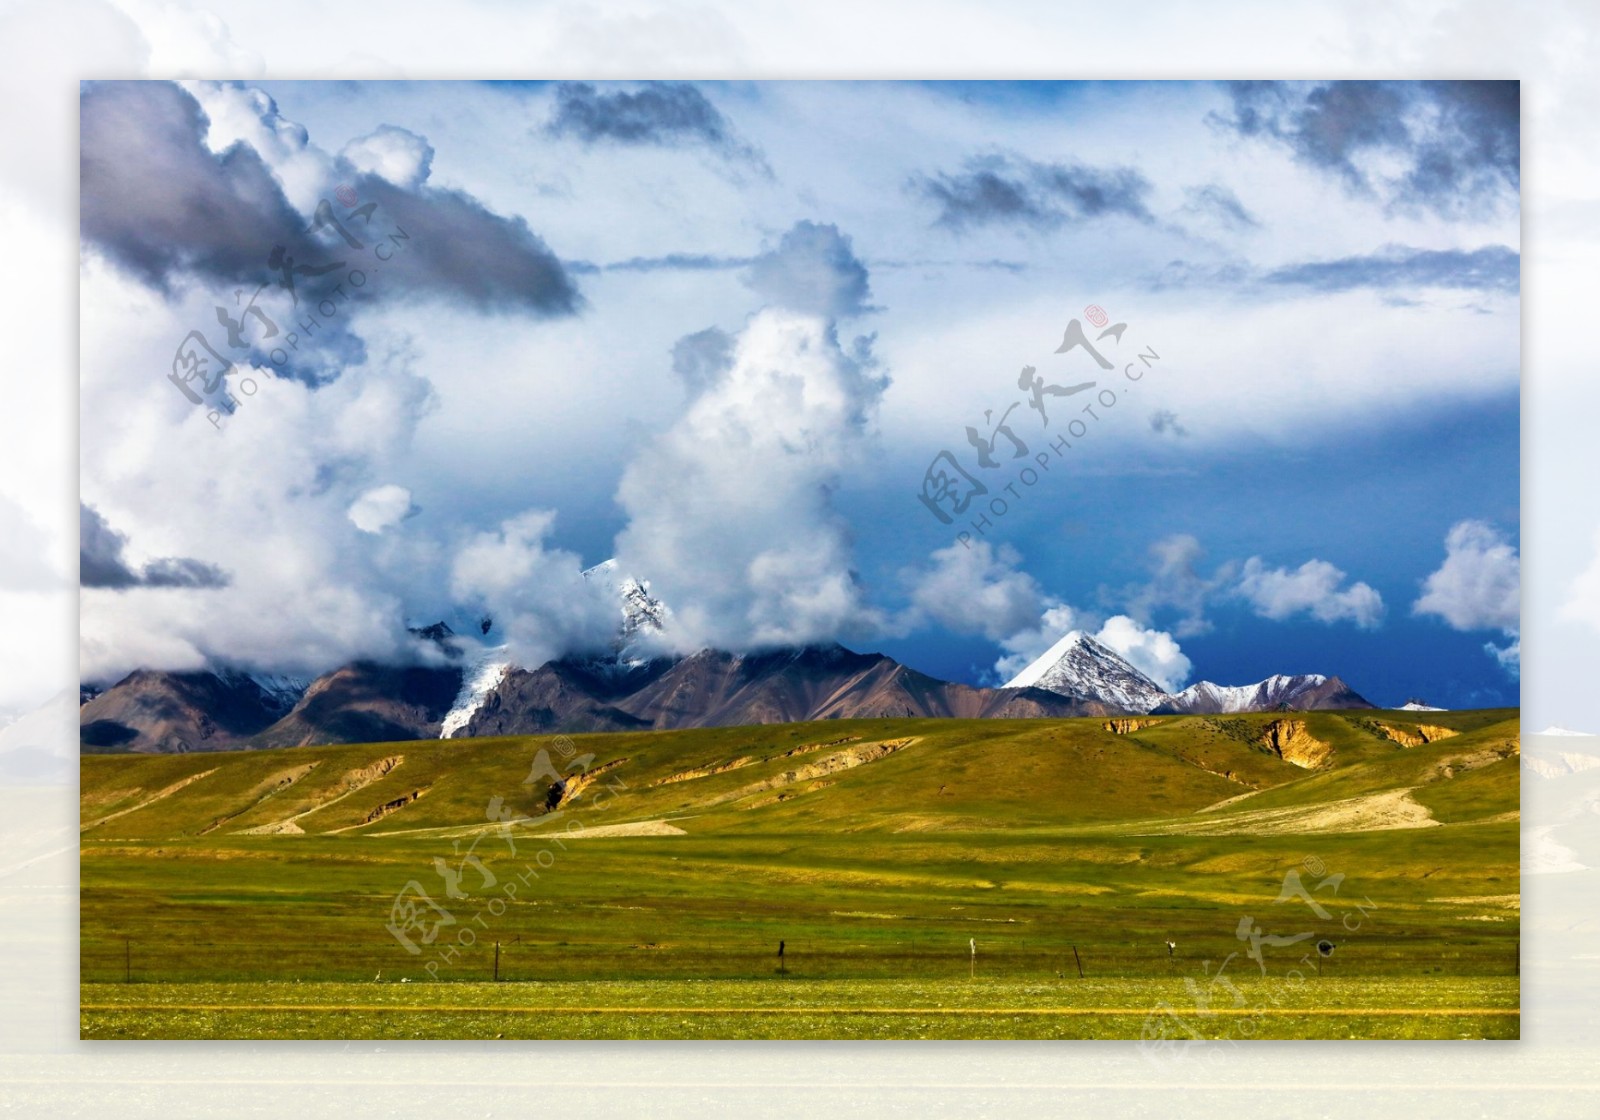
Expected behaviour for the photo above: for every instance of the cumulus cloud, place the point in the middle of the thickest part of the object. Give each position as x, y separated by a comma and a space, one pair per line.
1015, 190
1029, 644
536, 595
662, 114
268, 500
1478, 587
1315, 588
1446, 146
1154, 653
729, 510
102, 561
396, 155
160, 203
1181, 583
979, 590
380, 508
813, 270
701, 358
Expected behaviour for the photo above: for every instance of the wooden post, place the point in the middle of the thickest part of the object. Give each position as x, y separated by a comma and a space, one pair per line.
1079, 960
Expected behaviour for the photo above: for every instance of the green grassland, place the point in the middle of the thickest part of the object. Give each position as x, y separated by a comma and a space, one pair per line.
928, 878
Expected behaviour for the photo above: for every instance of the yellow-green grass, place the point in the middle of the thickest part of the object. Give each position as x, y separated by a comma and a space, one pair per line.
1033, 839
1291, 1007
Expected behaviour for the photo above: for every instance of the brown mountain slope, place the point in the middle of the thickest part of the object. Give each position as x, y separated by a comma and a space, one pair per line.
716, 689
161, 712
367, 703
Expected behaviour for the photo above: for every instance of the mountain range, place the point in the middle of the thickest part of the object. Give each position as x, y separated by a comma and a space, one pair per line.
478, 691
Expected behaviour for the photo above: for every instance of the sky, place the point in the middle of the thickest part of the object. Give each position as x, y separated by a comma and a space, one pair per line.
725, 331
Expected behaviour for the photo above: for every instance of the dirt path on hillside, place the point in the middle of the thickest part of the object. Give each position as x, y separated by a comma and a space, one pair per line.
163, 795
353, 782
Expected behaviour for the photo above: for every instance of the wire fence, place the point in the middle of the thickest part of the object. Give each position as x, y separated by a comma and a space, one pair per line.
131, 960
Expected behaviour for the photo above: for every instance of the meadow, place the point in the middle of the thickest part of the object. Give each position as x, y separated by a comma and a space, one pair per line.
925, 878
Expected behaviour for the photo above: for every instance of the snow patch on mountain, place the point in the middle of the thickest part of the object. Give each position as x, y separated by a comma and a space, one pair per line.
282, 692
1555, 730
1419, 706
482, 672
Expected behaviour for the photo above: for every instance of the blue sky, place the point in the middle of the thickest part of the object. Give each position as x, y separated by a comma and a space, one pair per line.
720, 331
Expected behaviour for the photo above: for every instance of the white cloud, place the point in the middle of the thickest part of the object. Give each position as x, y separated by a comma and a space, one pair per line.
1315, 588
729, 508
1154, 653
1509, 655
978, 590
1479, 585
267, 500
393, 153
536, 595
380, 508
1031, 643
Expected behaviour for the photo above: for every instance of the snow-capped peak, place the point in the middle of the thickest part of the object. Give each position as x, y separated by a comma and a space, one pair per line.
1078, 666
1418, 706
1553, 729
1081, 668
642, 613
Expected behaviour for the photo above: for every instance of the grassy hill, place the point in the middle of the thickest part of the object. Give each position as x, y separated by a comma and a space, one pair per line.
880, 850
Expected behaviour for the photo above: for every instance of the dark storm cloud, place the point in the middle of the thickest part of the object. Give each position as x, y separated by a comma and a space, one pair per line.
1014, 190
101, 562
1492, 268
662, 114
158, 203
461, 250
161, 205
814, 269
1457, 143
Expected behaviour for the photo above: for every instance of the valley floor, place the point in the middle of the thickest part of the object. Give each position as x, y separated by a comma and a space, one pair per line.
1161, 1012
